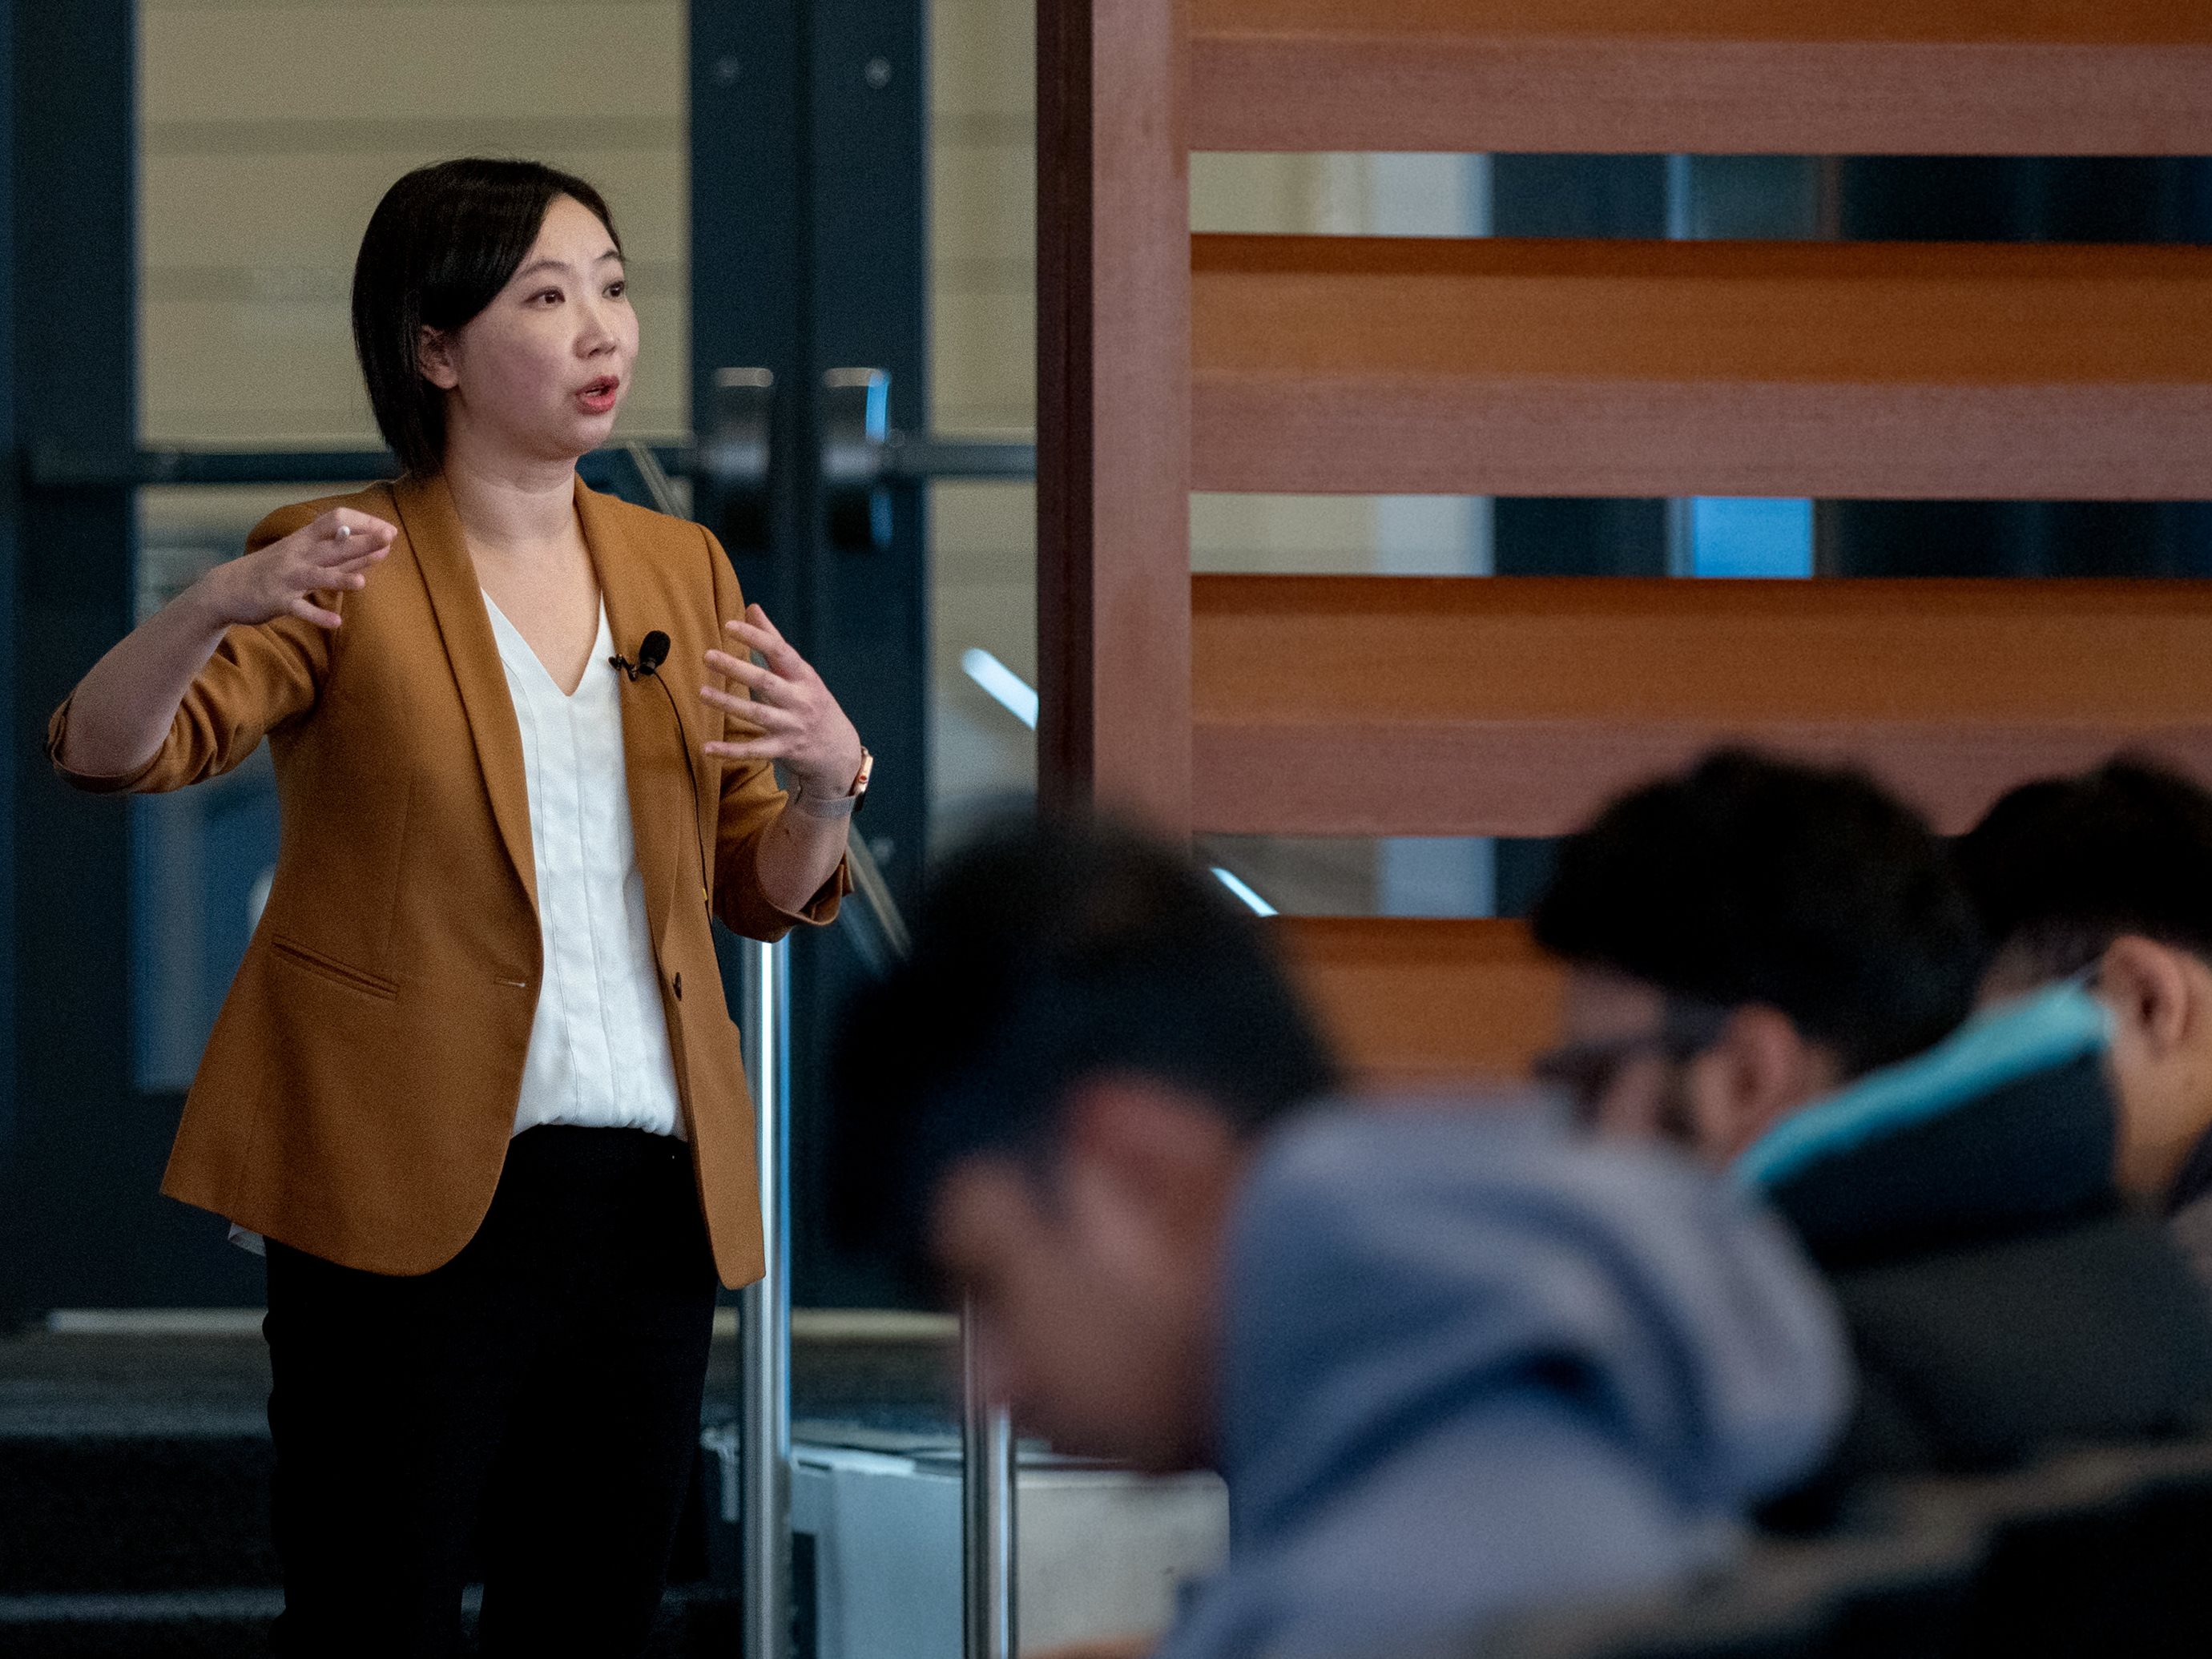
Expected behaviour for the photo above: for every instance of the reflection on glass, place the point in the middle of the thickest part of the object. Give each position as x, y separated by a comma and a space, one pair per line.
1236, 885
1738, 535
1001, 684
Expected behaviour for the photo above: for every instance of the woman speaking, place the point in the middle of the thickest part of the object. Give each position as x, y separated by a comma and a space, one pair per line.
496, 1152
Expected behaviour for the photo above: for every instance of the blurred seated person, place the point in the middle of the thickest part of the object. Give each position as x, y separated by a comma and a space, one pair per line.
1771, 964
1452, 1363
2106, 878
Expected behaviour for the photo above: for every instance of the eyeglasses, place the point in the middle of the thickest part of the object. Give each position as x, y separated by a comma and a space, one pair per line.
1585, 1072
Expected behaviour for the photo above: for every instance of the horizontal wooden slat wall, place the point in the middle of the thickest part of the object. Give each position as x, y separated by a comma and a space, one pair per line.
1408, 365
1987, 77
1355, 705
1422, 1002
1382, 706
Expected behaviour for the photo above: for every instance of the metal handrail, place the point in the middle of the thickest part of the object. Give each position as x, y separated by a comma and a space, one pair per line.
764, 1316
989, 1465
989, 1621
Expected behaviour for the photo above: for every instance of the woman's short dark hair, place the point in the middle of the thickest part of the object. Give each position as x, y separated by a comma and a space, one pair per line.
440, 246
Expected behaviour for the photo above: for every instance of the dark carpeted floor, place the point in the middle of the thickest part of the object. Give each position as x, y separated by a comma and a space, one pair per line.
134, 1480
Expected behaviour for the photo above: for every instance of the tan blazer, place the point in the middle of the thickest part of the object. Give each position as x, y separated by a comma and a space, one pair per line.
357, 1096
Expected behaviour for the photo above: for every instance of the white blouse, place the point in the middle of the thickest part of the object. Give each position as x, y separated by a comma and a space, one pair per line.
599, 1048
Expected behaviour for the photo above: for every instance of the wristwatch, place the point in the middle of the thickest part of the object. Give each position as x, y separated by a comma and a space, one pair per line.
858, 791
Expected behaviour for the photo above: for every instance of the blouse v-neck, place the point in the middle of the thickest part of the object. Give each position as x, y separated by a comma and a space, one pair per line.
510, 636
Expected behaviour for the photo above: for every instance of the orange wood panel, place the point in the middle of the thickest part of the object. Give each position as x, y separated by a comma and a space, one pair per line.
1113, 409
1509, 706
1988, 77
1496, 367
1426, 1002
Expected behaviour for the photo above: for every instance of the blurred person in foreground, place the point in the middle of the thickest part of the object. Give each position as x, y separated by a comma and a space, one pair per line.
1451, 1364
2107, 879
1775, 965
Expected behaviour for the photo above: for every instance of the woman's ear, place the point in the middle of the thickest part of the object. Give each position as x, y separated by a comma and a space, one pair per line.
2151, 994
434, 357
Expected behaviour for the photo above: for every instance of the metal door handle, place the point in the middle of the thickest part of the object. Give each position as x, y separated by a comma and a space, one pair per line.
735, 453
856, 404
862, 456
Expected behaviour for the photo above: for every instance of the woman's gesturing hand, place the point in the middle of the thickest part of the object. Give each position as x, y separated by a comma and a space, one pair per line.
790, 713
335, 552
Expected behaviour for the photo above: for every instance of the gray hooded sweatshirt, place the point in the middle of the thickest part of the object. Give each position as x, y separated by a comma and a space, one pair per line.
1474, 1367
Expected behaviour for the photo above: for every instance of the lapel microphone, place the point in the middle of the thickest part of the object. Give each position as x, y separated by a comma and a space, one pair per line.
652, 652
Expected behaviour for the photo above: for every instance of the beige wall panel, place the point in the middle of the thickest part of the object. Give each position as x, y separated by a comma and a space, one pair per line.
1260, 195
983, 362
982, 57
982, 208
283, 373
998, 616
979, 526
308, 210
218, 371
1288, 534
387, 63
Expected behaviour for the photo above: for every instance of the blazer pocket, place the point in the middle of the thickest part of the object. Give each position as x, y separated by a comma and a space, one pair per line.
330, 968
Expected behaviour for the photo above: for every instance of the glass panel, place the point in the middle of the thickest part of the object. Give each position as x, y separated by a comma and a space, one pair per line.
983, 667
982, 310
268, 130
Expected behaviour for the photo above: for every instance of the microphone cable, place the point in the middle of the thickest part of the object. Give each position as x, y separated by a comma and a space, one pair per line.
652, 652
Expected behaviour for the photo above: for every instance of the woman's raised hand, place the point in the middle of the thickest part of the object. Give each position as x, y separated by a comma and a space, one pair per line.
794, 718
333, 553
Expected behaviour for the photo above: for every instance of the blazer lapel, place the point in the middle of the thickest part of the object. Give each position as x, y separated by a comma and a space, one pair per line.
656, 738
442, 551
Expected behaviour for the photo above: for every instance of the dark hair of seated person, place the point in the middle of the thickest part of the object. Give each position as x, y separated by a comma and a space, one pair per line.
440, 246
1045, 954
1752, 879
2061, 867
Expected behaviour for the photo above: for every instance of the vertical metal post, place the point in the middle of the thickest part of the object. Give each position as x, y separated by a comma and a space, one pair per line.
987, 1507
764, 1314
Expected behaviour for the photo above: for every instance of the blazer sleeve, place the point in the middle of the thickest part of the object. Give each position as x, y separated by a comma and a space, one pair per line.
258, 678
750, 803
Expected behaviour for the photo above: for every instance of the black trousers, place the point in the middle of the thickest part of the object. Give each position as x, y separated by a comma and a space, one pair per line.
539, 1395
